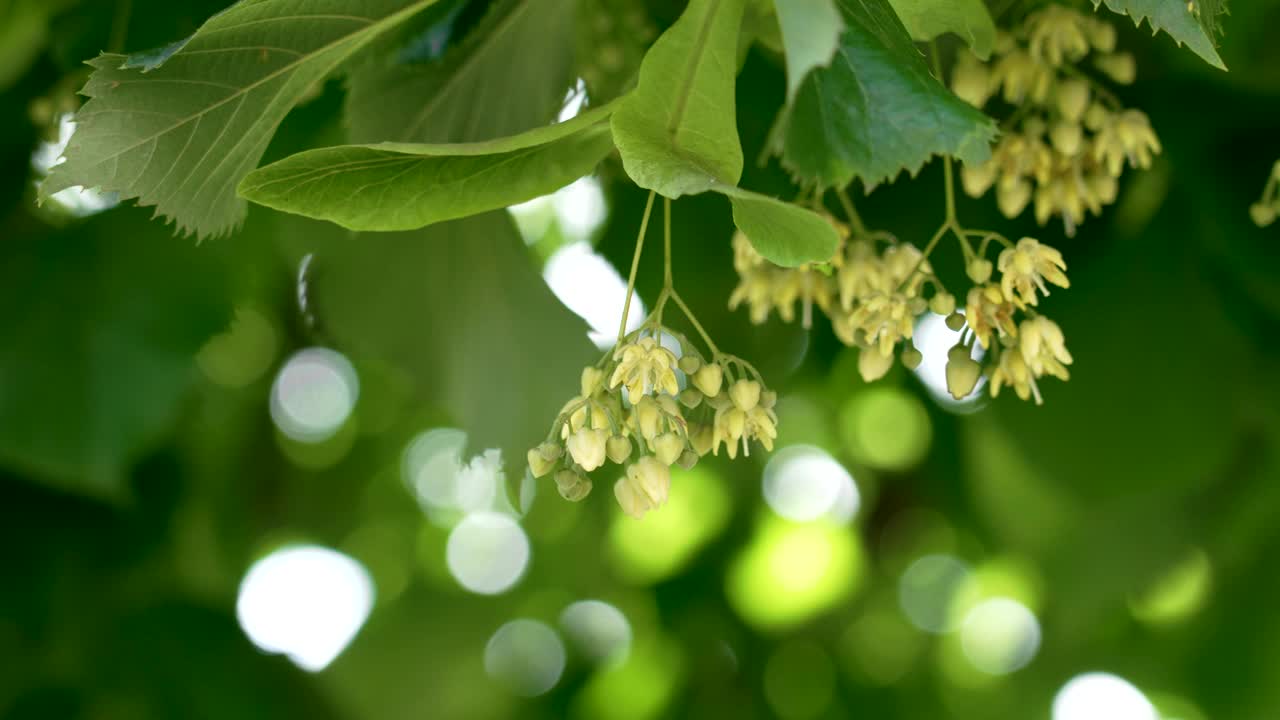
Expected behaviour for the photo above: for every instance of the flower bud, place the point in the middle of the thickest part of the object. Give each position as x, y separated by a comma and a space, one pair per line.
690, 397
573, 486
768, 399
1102, 35
667, 448
745, 394
587, 447
647, 415
872, 364
977, 179
943, 303
979, 270
539, 465
668, 405
689, 364
644, 487
618, 448
708, 379
955, 322
962, 372
701, 438
1120, 67
911, 358
1067, 138
688, 459
1262, 214
1073, 98
1012, 196
592, 380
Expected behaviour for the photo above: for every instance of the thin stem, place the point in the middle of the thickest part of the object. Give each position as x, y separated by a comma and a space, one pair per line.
859, 229
696, 325
950, 191
120, 25
666, 244
635, 264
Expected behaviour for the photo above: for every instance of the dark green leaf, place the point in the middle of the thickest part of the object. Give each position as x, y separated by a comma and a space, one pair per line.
400, 186
100, 325
476, 91
877, 110
460, 307
676, 132
179, 135
1196, 31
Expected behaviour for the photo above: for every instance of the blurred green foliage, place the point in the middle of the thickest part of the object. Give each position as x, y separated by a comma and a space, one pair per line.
142, 474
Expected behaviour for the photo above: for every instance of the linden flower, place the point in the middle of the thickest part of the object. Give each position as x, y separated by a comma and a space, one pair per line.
1057, 34
886, 319
645, 364
1125, 136
989, 313
1025, 267
1012, 370
1043, 347
588, 448
743, 419
644, 487
571, 485
860, 274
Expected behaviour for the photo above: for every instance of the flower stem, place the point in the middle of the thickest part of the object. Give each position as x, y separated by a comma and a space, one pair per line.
859, 229
696, 325
666, 244
635, 265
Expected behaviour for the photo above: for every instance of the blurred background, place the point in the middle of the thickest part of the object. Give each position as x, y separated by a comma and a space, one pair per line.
232, 483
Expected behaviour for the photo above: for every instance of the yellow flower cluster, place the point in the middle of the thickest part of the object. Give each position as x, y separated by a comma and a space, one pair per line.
1023, 351
872, 297
1068, 139
765, 287
632, 406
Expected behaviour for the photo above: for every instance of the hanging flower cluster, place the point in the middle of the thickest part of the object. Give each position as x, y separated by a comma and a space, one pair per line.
632, 412
1067, 138
879, 286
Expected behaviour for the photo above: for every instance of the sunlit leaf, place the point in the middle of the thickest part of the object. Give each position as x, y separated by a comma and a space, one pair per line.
676, 132
402, 186
784, 234
810, 36
927, 19
179, 130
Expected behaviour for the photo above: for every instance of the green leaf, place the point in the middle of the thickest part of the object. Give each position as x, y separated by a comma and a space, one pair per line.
101, 324
477, 91
400, 186
784, 234
677, 132
485, 338
178, 131
927, 19
810, 36
1196, 31
877, 110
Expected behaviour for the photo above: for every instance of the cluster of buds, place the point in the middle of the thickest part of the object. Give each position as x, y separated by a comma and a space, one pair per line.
765, 287
646, 410
1022, 350
1067, 139
873, 297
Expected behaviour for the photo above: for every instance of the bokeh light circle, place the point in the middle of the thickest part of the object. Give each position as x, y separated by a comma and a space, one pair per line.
598, 630
306, 602
314, 394
926, 589
1000, 635
804, 483
886, 428
1101, 696
487, 552
526, 656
